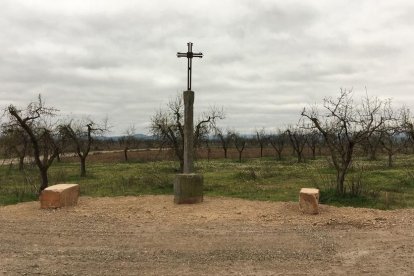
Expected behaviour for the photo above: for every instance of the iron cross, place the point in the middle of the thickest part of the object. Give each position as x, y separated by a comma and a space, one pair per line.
189, 55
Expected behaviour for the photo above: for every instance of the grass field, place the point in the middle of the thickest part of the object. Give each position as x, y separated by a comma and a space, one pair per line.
374, 184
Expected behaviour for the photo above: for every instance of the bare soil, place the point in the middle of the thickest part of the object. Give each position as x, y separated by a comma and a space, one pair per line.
149, 235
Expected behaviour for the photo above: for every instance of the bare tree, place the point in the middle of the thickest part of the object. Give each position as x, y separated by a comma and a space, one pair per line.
372, 144
128, 140
239, 142
224, 137
16, 143
408, 124
313, 140
393, 141
346, 124
278, 141
261, 139
168, 126
207, 143
408, 129
34, 120
298, 140
82, 133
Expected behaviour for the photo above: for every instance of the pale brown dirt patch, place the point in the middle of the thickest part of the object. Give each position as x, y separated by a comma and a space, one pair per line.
149, 235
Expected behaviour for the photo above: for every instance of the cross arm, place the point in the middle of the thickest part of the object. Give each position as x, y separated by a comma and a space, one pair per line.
200, 55
190, 55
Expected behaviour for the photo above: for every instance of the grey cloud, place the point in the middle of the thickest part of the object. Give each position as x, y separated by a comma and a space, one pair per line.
264, 60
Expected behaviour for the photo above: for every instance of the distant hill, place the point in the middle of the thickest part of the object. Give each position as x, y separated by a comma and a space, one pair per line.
138, 136
144, 136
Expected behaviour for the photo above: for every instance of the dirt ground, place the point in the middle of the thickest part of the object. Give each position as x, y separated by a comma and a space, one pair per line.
149, 235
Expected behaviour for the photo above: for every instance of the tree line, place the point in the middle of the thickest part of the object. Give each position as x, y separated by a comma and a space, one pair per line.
34, 131
340, 126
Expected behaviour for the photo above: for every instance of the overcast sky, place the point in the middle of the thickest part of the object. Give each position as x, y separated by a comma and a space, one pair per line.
263, 60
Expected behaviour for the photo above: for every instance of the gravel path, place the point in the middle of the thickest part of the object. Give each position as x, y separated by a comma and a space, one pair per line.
149, 235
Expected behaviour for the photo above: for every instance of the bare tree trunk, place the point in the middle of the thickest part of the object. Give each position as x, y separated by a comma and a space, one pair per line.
21, 163
44, 179
126, 154
340, 180
390, 161
313, 153
298, 141
224, 145
179, 153
83, 166
372, 156
278, 152
240, 144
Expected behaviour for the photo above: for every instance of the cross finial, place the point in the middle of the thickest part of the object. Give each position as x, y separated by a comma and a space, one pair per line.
189, 55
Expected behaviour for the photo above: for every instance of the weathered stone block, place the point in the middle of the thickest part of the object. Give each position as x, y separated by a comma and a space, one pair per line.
188, 188
59, 195
309, 200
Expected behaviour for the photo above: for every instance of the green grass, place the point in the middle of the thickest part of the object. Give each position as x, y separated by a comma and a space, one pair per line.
255, 179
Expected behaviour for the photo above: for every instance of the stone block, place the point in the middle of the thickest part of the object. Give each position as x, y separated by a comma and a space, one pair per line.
59, 195
188, 188
309, 201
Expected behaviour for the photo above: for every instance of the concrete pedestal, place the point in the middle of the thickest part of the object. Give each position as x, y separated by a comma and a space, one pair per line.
188, 188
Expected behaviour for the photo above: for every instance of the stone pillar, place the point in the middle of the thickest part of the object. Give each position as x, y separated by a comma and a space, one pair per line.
188, 132
188, 186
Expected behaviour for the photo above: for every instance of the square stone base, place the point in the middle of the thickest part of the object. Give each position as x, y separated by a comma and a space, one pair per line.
59, 195
309, 201
188, 188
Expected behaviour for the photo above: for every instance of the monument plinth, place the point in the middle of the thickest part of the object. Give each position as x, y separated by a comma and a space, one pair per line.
188, 188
